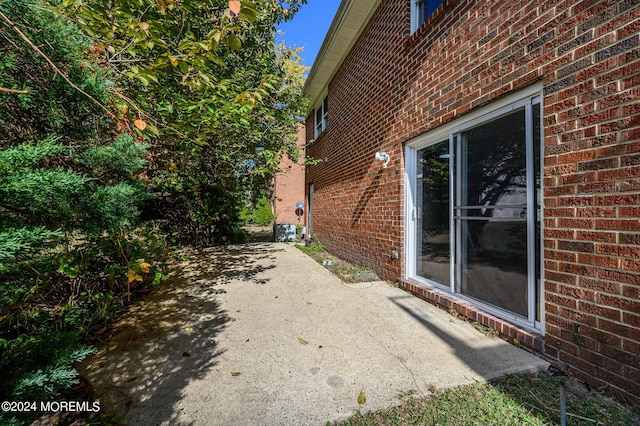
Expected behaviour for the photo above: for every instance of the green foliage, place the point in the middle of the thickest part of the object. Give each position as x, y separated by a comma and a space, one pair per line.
29, 155
122, 158
210, 215
44, 366
245, 213
51, 105
314, 248
70, 257
350, 273
347, 272
149, 33
512, 400
117, 205
224, 99
262, 214
14, 242
32, 191
48, 381
44, 195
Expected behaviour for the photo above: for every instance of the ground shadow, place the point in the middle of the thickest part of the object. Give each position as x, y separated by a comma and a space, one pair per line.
220, 265
481, 360
256, 234
168, 340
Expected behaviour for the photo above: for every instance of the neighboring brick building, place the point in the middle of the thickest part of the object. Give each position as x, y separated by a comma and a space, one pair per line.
512, 190
288, 186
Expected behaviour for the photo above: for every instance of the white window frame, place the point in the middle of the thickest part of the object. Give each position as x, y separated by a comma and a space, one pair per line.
447, 132
321, 116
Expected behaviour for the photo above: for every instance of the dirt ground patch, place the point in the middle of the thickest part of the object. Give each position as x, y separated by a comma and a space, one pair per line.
347, 272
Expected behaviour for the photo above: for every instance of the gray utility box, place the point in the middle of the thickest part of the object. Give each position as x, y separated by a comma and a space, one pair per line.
284, 232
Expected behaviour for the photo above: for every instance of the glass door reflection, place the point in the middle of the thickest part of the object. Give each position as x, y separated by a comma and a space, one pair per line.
433, 233
491, 213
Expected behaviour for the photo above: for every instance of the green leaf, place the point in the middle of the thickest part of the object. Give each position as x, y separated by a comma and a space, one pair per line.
362, 398
247, 14
150, 75
233, 42
153, 129
69, 270
216, 35
158, 278
185, 45
302, 341
142, 79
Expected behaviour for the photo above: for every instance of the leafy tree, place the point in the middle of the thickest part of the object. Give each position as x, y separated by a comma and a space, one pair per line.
69, 196
209, 89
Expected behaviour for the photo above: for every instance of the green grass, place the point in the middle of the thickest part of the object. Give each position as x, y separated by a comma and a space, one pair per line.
350, 273
347, 272
514, 400
312, 249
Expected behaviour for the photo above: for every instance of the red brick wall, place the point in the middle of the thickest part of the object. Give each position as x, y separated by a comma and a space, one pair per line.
393, 86
288, 185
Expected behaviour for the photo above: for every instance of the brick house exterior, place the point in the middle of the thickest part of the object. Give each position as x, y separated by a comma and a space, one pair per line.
559, 77
288, 185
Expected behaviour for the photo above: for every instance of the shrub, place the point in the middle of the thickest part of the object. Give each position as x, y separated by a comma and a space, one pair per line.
262, 214
70, 253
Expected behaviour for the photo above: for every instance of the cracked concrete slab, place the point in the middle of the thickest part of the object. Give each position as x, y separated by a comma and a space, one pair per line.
260, 334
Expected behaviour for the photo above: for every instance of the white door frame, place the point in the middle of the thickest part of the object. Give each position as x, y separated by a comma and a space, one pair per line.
448, 132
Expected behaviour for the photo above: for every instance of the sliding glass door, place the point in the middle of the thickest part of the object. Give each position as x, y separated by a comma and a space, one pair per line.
491, 213
475, 209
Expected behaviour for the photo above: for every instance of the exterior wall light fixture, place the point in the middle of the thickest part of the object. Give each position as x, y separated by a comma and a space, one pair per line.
383, 156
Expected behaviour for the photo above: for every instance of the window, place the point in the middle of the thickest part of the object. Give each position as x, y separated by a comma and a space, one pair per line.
421, 10
473, 208
322, 113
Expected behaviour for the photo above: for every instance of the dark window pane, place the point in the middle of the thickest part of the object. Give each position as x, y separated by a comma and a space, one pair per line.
431, 6
433, 213
493, 195
424, 9
493, 262
494, 163
318, 121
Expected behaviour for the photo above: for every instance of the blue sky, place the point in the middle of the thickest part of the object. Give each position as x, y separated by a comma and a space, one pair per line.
308, 27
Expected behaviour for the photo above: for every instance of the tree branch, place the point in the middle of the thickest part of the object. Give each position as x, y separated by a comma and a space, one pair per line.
21, 92
14, 209
55, 68
143, 114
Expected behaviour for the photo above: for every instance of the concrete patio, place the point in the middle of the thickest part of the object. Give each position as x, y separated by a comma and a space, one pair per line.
260, 334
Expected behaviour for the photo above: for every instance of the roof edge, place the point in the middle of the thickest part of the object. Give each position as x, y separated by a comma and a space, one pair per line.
347, 25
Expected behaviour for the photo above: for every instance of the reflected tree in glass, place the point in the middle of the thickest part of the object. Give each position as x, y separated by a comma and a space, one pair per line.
433, 206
